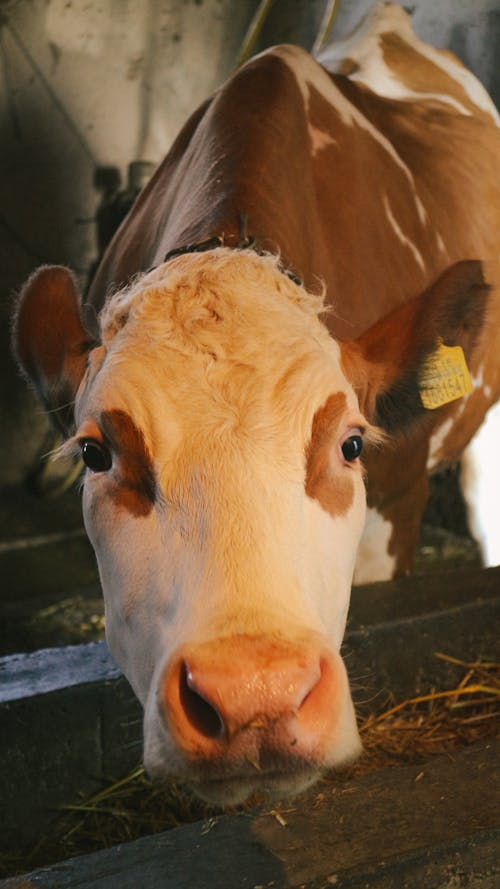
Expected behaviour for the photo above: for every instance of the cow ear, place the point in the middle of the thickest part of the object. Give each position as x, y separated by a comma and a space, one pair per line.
389, 364
50, 341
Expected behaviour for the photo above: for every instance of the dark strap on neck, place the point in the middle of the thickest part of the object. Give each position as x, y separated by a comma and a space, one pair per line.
245, 241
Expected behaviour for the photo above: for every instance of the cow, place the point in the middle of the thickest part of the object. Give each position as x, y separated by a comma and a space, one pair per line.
297, 321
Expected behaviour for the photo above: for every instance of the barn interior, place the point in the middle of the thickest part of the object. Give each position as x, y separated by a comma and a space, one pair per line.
92, 96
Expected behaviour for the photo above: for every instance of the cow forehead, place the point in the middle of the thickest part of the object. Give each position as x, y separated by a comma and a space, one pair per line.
194, 362
222, 300
152, 410
215, 342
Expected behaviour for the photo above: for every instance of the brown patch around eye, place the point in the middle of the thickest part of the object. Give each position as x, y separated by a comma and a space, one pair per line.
136, 488
332, 488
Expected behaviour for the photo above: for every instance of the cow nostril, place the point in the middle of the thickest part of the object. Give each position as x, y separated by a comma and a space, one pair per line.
201, 714
314, 683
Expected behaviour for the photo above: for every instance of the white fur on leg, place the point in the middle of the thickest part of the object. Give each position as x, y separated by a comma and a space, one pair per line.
480, 482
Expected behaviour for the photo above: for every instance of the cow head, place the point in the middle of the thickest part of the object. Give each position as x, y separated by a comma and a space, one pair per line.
221, 427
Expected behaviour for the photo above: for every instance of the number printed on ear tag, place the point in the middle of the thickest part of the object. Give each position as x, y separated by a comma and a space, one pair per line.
444, 377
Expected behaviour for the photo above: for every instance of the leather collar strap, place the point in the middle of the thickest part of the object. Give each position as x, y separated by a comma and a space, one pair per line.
245, 242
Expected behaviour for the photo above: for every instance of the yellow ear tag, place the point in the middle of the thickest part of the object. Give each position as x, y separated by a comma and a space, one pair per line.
444, 376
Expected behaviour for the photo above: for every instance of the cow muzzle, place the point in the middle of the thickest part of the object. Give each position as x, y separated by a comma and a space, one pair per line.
245, 714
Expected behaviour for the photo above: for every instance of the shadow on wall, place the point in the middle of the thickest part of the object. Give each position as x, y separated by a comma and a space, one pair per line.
45, 176
40, 201
82, 87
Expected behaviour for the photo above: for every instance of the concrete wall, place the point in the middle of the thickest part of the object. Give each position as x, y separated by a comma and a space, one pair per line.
99, 83
84, 85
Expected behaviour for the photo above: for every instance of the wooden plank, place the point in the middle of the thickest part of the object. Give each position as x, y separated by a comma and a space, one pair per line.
69, 720
415, 596
393, 829
60, 745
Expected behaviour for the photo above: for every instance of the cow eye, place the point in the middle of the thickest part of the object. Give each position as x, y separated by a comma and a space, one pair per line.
352, 447
95, 455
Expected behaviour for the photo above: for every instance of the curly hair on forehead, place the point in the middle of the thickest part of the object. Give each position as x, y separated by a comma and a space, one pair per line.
195, 294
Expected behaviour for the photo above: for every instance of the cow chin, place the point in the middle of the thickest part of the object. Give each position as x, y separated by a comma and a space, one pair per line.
272, 785
237, 791
222, 785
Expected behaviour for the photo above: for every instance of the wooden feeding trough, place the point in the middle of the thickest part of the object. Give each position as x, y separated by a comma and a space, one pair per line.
419, 809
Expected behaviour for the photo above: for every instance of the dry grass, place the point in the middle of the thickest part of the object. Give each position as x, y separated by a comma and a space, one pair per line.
437, 722
409, 731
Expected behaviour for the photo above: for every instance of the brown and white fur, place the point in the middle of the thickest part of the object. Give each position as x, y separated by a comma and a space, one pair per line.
221, 409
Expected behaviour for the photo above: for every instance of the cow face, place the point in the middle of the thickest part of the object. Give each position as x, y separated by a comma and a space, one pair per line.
224, 497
